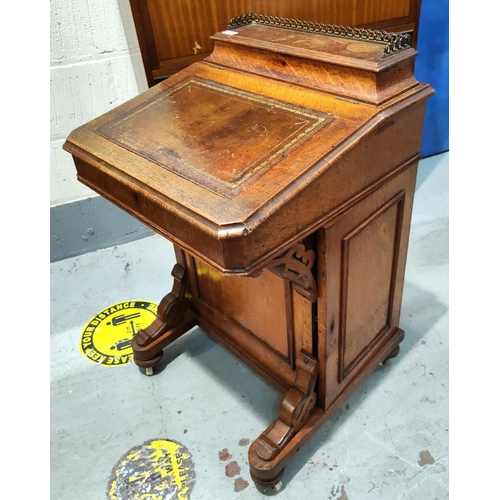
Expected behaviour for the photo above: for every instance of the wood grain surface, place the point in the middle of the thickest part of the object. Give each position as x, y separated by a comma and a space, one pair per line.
283, 169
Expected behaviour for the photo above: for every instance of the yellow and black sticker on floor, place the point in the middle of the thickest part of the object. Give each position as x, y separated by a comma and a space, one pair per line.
155, 470
107, 337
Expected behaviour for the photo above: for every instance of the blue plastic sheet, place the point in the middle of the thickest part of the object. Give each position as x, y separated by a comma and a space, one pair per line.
432, 66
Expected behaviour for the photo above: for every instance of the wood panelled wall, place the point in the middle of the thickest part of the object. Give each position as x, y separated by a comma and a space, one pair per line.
176, 33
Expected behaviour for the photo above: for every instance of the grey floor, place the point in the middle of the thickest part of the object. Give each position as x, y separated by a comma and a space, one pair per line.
390, 441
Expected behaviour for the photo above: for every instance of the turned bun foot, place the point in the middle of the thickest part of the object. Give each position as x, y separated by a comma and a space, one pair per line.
149, 364
268, 486
393, 354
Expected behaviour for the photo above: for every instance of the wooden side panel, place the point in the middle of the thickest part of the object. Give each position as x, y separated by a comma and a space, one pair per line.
361, 264
368, 256
259, 305
262, 320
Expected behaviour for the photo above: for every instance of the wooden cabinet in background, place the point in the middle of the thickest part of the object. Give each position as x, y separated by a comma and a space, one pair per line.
176, 33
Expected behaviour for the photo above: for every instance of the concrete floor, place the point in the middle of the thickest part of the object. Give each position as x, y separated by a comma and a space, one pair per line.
389, 442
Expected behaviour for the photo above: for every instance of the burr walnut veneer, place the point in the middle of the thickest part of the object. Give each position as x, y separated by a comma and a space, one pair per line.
282, 167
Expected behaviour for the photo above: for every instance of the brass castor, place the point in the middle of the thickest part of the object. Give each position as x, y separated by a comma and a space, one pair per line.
270, 491
278, 486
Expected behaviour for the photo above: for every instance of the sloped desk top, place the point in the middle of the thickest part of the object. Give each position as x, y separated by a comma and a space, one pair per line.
230, 158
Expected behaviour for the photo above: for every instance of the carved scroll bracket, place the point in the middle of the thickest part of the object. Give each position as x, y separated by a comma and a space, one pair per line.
148, 343
293, 412
296, 265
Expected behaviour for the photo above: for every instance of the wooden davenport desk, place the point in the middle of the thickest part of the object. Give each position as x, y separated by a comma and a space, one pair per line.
282, 167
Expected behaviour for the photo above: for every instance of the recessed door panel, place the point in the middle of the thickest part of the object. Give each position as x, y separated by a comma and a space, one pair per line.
361, 259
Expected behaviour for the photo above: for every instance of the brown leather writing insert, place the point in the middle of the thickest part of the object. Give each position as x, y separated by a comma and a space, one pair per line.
217, 136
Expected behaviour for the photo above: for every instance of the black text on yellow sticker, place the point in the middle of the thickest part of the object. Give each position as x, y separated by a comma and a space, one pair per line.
106, 338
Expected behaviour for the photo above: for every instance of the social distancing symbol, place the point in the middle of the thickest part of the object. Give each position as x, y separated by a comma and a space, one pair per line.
158, 469
107, 337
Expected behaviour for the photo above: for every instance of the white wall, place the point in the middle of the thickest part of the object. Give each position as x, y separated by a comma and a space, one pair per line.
95, 65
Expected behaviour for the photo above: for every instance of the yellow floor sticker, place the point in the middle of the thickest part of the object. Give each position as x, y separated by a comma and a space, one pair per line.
106, 338
156, 470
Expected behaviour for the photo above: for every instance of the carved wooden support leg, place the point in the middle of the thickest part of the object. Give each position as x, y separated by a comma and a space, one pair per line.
172, 320
293, 413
